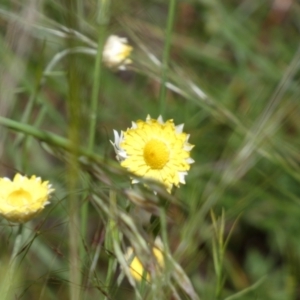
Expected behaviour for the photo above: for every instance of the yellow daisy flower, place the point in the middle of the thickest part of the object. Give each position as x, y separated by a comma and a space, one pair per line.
135, 266
116, 52
23, 198
156, 150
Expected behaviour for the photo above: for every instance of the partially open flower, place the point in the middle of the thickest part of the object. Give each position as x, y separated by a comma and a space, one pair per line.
136, 268
116, 52
156, 150
23, 198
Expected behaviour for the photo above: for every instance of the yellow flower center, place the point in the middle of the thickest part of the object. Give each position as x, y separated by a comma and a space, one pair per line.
19, 197
156, 154
124, 53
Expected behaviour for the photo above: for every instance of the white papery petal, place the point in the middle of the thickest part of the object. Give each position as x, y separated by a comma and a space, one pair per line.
189, 160
181, 177
122, 154
188, 147
179, 128
117, 137
160, 119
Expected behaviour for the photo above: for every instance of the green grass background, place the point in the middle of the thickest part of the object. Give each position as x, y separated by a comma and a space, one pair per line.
244, 56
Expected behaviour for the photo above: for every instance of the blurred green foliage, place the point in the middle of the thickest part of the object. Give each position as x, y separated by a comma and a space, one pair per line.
244, 57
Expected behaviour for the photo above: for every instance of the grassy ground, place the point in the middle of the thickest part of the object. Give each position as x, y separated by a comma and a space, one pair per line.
228, 70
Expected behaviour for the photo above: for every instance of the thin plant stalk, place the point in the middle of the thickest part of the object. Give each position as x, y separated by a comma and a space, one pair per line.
219, 248
72, 176
103, 19
111, 235
143, 284
249, 289
45, 136
96, 88
28, 139
74, 104
9, 278
166, 55
163, 220
26, 116
92, 127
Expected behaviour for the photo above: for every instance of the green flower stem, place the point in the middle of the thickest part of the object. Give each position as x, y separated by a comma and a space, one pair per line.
25, 119
111, 235
96, 87
164, 235
47, 137
92, 132
166, 54
9, 278
17, 245
143, 284
28, 139
251, 288
72, 170
163, 223
103, 18
218, 248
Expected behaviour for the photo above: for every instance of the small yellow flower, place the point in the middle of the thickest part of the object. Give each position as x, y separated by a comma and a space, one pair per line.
116, 52
23, 198
156, 150
136, 268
